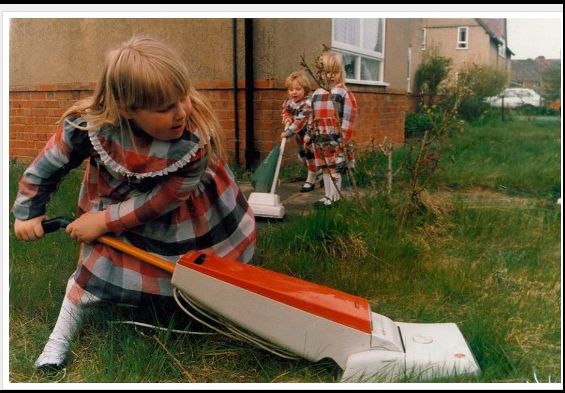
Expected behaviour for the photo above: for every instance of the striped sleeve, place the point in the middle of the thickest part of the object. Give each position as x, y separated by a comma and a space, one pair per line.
45, 174
286, 112
348, 116
301, 116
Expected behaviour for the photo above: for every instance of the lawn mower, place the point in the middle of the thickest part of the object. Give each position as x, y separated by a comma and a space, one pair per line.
294, 318
268, 204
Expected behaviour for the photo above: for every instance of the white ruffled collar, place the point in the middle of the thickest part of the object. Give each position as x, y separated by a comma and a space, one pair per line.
145, 157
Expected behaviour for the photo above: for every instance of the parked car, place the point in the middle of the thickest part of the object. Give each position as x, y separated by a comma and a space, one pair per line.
514, 97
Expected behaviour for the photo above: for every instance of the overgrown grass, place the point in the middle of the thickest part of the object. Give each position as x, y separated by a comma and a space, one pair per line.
492, 265
518, 158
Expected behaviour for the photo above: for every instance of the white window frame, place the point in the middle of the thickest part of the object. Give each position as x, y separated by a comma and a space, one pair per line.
463, 44
502, 48
409, 71
423, 43
362, 53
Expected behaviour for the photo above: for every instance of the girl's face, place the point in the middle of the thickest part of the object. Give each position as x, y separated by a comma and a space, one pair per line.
165, 123
296, 92
333, 77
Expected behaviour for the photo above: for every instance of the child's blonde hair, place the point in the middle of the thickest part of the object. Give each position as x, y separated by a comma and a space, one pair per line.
332, 62
143, 73
302, 80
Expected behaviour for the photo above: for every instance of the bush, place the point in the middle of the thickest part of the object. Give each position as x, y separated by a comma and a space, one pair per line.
416, 124
433, 70
482, 80
471, 108
529, 110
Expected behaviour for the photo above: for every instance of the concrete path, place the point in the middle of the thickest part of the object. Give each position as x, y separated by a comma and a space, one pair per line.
295, 203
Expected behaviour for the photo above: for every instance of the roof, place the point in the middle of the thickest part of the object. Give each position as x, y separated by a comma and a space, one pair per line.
496, 29
532, 69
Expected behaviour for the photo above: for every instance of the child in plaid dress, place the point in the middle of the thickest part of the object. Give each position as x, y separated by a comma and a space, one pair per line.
331, 126
295, 114
155, 178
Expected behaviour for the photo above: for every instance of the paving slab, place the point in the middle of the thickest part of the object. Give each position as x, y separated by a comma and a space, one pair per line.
295, 203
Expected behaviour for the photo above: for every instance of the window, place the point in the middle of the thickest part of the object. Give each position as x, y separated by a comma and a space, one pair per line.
423, 44
361, 44
502, 48
462, 38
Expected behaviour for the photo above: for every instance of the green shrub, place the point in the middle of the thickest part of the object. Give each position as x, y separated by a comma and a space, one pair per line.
471, 108
530, 110
416, 124
433, 70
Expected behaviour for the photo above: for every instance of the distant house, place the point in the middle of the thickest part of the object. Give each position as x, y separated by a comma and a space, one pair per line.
530, 72
469, 41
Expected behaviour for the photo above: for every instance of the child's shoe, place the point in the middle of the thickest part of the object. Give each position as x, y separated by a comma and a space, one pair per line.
307, 187
324, 202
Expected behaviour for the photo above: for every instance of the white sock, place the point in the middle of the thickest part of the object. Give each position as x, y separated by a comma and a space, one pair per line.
327, 181
311, 177
55, 352
334, 189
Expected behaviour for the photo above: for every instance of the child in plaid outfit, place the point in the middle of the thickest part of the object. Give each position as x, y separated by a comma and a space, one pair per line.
156, 178
331, 126
295, 114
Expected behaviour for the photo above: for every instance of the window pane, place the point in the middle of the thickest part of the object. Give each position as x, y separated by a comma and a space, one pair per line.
347, 31
372, 37
462, 34
361, 44
370, 69
350, 64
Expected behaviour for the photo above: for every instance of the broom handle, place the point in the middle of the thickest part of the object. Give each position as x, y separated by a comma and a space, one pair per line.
278, 167
61, 222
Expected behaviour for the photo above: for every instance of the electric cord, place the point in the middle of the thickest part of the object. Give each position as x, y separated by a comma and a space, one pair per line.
147, 325
233, 331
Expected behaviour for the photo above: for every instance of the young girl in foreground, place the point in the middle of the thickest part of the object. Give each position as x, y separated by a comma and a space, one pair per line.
331, 126
295, 114
155, 178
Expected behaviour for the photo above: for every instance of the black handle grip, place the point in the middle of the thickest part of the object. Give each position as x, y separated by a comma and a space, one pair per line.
55, 223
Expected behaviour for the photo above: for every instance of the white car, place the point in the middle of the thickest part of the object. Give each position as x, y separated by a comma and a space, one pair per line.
514, 97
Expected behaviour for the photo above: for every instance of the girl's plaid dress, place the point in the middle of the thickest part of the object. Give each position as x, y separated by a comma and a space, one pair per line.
299, 113
157, 195
328, 139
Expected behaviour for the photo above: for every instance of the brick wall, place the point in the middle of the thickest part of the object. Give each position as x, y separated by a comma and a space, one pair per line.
35, 109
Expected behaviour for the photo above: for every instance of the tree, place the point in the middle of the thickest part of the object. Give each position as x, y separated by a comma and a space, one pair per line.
433, 70
552, 84
481, 81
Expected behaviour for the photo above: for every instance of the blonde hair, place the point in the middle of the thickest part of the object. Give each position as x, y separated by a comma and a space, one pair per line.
332, 62
143, 73
302, 80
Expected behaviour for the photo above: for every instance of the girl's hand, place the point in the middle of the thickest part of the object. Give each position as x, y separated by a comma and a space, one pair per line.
29, 230
88, 227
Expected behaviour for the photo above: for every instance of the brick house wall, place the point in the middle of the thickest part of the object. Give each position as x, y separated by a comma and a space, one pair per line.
217, 51
35, 109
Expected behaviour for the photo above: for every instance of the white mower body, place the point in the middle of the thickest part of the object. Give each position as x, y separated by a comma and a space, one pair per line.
268, 204
316, 322
265, 204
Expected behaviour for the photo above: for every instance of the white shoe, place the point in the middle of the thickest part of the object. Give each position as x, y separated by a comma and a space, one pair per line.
307, 187
54, 356
325, 202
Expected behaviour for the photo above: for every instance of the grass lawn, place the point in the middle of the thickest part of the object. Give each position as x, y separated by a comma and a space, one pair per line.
486, 257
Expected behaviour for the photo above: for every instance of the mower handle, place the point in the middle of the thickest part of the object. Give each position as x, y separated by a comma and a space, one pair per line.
55, 223
61, 222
